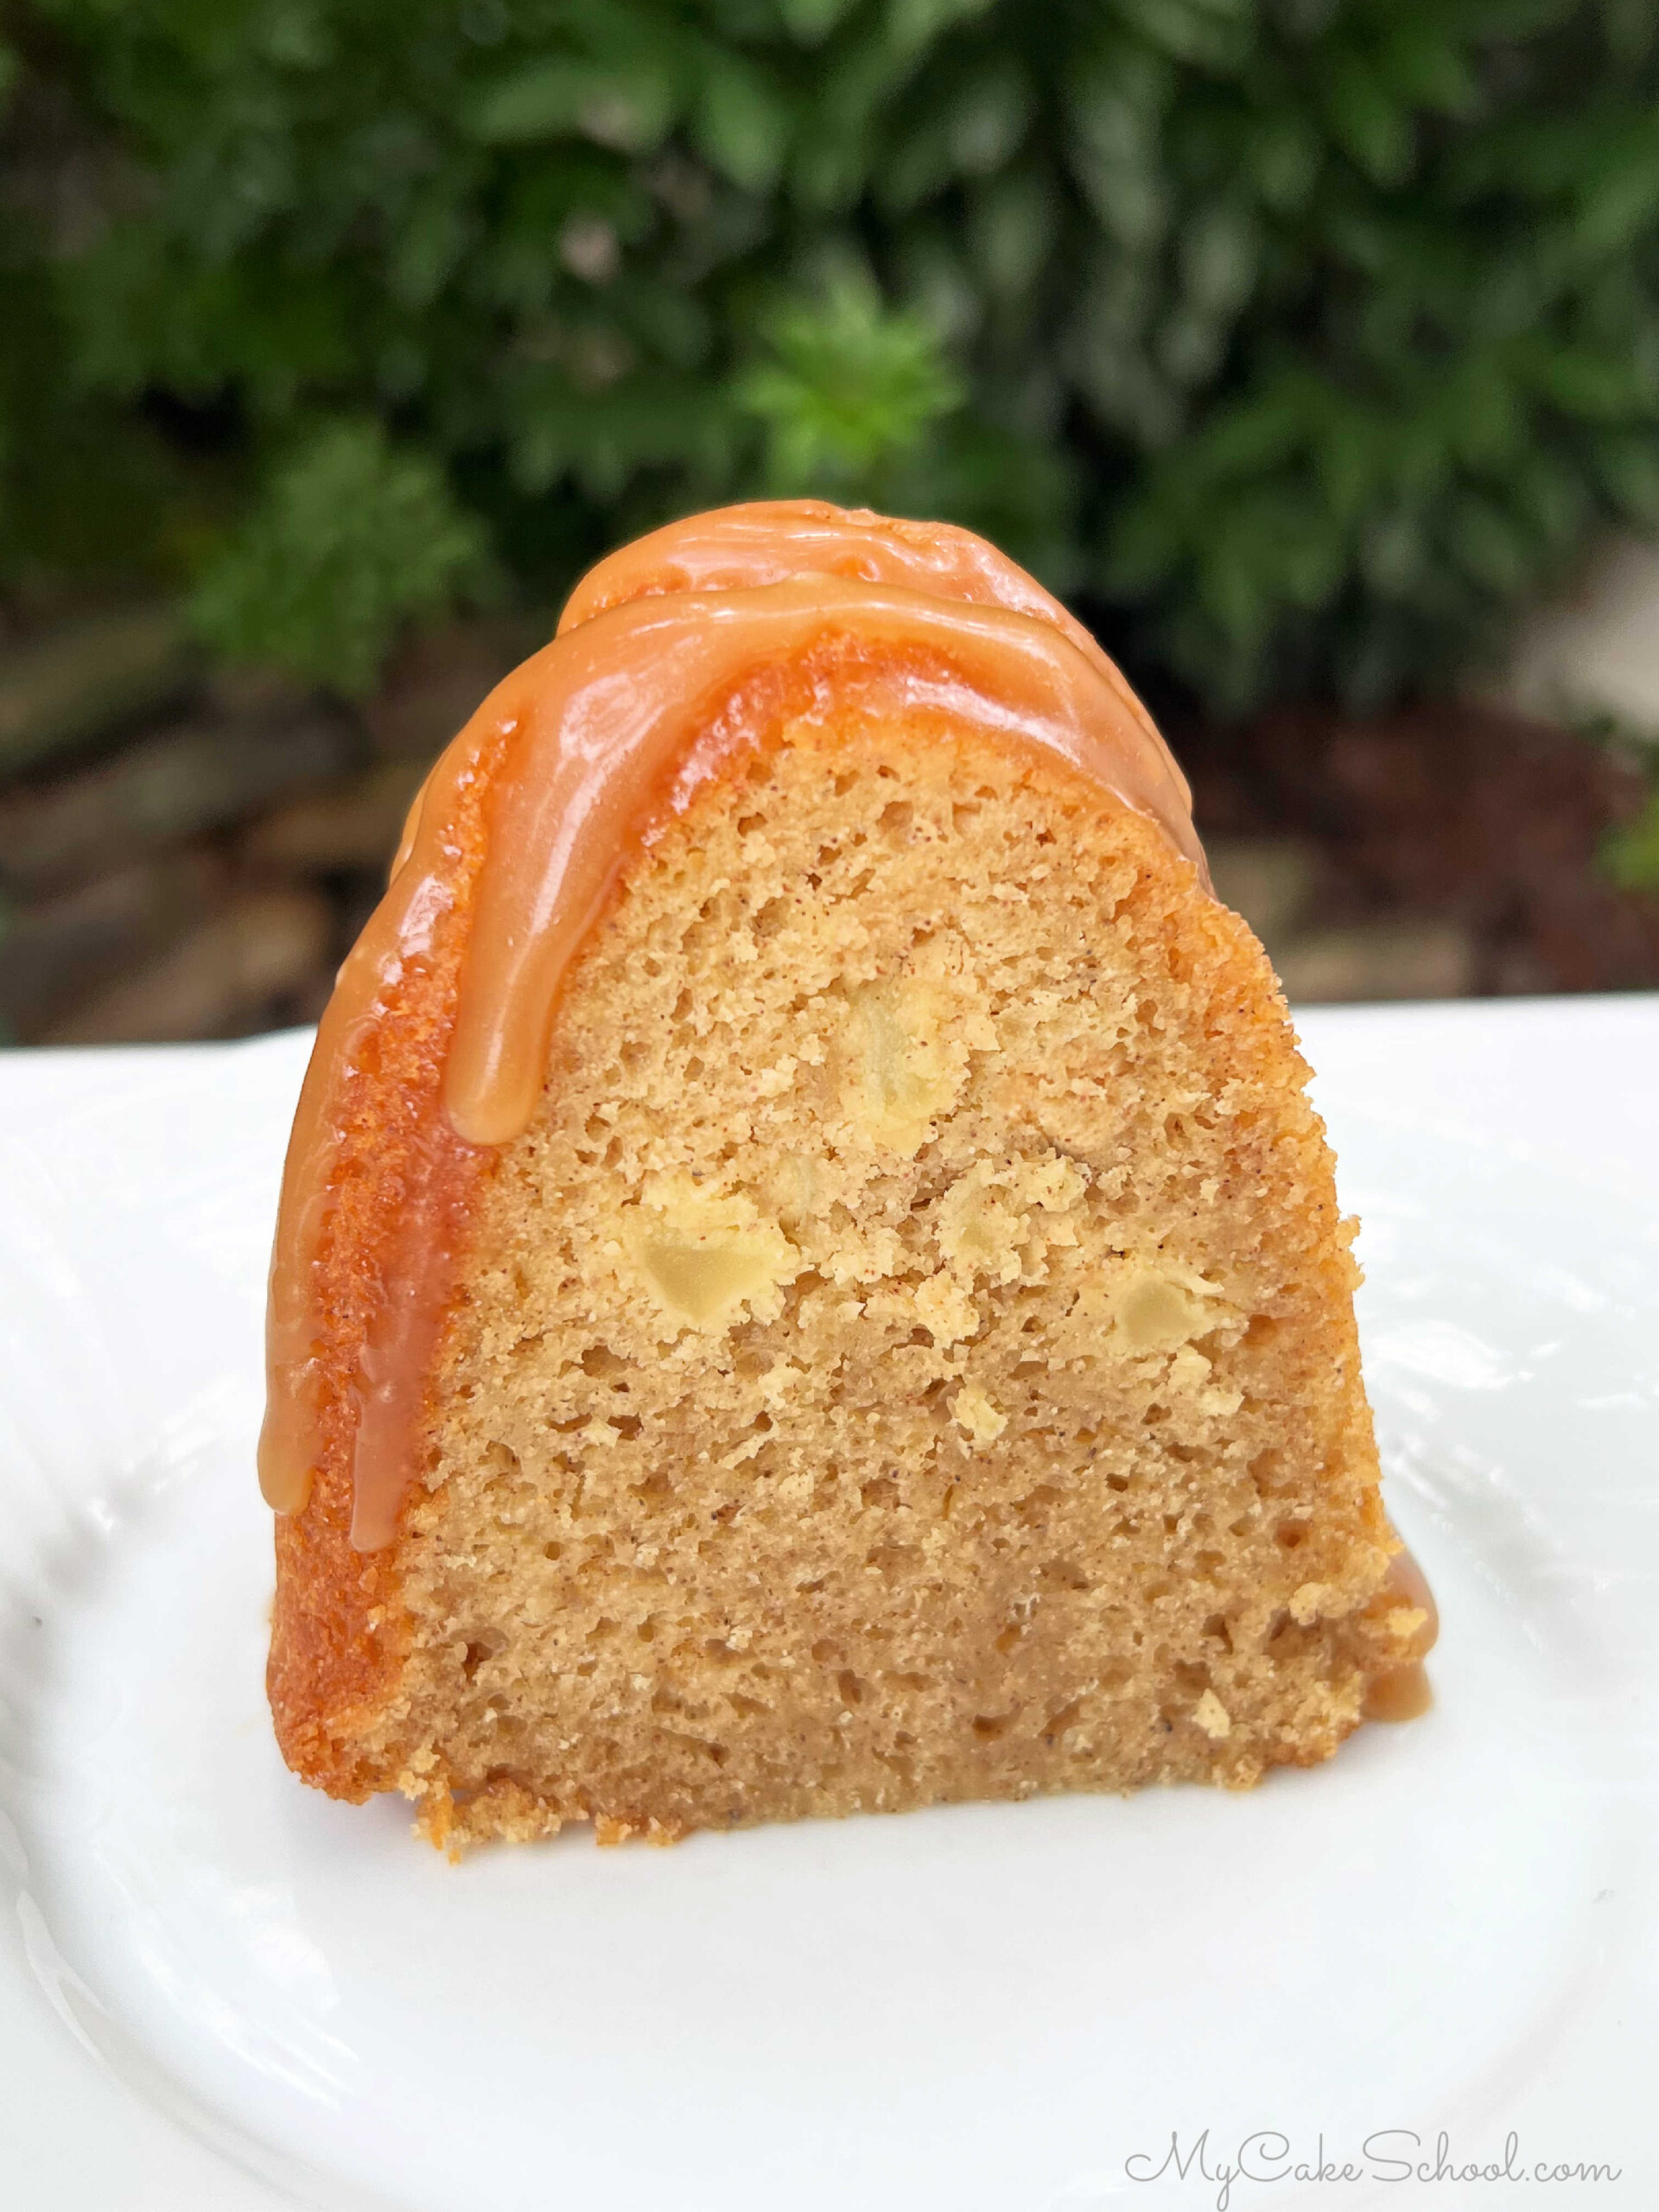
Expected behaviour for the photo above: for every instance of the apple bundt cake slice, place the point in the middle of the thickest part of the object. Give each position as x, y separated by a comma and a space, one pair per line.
808, 1280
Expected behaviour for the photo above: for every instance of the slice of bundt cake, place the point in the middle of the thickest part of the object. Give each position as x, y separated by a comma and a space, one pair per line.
807, 1280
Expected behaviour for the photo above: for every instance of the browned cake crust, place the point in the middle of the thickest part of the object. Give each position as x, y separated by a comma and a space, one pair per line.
339, 1634
1196, 1588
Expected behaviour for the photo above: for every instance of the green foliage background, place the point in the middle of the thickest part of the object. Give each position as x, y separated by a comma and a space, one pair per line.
1304, 339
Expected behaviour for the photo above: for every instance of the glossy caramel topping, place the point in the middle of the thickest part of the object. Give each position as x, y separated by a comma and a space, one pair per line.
610, 744
399, 938
670, 656
773, 540
1402, 1692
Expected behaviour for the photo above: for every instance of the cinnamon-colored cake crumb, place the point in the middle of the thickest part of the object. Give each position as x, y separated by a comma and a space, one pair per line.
908, 1355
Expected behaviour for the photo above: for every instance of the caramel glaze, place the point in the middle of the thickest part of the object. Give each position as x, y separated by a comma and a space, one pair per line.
639, 706
774, 541
1401, 1691
696, 645
391, 1181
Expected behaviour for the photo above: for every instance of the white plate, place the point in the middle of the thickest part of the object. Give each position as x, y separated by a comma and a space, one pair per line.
1452, 1926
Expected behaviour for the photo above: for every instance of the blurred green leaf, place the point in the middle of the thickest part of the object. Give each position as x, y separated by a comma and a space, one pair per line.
1351, 459
430, 247
556, 99
743, 122
1394, 552
1146, 548
1421, 59
352, 540
600, 438
1212, 33
1627, 467
1586, 383
1619, 193
812, 20
1011, 229
1369, 123
1486, 541
1631, 855
914, 23
1219, 252
1477, 403
1115, 103
1282, 154
833, 160
848, 386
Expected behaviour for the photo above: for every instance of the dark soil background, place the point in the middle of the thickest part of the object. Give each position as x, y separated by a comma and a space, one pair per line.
1469, 816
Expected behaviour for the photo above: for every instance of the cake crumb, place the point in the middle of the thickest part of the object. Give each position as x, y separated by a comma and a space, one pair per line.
1213, 1717
975, 1412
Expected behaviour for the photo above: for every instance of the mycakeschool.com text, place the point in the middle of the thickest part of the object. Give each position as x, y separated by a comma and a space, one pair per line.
1232, 2174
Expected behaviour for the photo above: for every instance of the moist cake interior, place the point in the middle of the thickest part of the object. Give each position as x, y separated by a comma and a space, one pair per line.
910, 1354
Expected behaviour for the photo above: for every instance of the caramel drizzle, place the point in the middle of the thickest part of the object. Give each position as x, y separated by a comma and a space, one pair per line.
398, 938
594, 741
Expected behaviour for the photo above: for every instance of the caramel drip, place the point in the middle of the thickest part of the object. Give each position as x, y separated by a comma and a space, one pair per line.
398, 939
693, 644
1401, 1692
